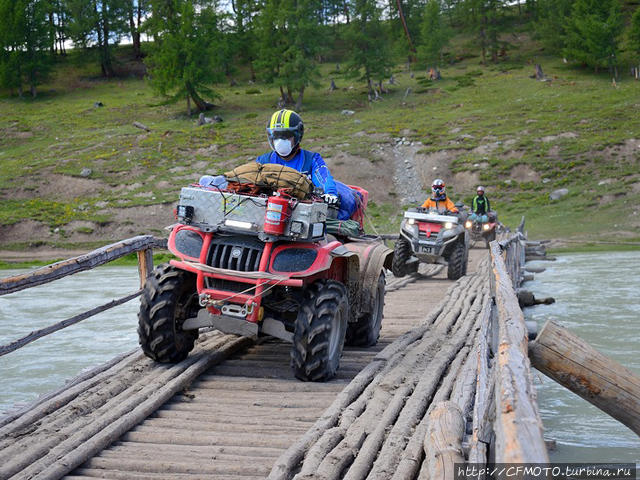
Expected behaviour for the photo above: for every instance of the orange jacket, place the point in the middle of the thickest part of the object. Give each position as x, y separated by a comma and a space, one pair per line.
445, 204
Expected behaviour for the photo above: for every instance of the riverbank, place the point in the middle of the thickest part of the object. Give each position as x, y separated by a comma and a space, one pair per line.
46, 255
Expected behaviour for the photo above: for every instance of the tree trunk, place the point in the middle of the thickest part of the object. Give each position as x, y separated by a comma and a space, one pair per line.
576, 365
106, 55
345, 7
135, 34
406, 31
370, 87
200, 103
52, 37
299, 101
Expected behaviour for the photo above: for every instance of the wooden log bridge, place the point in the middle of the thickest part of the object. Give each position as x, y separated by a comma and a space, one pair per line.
449, 382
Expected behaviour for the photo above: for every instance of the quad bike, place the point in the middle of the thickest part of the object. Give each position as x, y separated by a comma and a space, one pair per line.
427, 236
483, 230
262, 263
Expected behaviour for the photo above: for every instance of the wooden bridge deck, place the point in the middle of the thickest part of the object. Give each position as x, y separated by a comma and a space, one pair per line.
240, 414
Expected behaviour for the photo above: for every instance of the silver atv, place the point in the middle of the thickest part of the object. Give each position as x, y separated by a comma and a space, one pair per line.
429, 236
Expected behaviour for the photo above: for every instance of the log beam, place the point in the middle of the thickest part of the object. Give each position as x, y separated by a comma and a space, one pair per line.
517, 426
576, 365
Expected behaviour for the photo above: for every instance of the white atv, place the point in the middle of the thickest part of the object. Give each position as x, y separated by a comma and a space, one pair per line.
429, 236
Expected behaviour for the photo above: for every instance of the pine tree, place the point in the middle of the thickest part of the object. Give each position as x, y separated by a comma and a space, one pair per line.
135, 12
100, 24
25, 40
633, 33
434, 35
593, 30
289, 38
370, 57
551, 22
185, 57
242, 42
484, 18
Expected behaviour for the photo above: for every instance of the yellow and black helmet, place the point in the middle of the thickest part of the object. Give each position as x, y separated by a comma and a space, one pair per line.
285, 124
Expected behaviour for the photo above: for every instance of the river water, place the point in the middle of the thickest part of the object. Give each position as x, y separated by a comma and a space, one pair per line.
597, 298
44, 365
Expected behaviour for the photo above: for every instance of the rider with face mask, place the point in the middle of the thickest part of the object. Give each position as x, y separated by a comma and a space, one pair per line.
284, 132
439, 199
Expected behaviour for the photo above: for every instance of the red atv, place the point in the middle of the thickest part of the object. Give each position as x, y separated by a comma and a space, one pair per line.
262, 263
485, 231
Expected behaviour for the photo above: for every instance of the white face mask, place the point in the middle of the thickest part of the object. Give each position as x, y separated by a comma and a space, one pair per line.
282, 146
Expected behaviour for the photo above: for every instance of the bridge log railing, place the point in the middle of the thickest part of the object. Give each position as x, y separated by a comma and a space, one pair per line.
143, 245
517, 427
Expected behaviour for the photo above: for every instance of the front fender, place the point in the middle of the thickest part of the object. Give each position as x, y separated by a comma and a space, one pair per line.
374, 258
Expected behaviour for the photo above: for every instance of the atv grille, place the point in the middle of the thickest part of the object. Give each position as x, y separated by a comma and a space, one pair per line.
226, 285
235, 253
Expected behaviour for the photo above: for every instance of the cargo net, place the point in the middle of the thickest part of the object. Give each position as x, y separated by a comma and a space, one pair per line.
254, 178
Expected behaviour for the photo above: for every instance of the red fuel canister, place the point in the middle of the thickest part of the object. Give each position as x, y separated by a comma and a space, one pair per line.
275, 219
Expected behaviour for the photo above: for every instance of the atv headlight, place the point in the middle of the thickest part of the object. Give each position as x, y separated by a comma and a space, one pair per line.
448, 225
297, 227
485, 226
188, 243
411, 221
238, 224
408, 227
468, 224
294, 259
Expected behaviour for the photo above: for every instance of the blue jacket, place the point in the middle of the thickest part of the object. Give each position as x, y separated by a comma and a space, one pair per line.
309, 163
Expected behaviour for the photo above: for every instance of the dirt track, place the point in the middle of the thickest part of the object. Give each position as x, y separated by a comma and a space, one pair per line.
233, 421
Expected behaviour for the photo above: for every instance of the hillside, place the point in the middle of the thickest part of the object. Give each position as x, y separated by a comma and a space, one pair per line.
75, 175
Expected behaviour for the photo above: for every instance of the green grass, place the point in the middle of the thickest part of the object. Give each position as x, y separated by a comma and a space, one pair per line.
61, 133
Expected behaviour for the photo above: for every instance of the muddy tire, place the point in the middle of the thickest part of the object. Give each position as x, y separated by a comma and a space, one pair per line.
320, 330
457, 262
401, 253
168, 299
366, 331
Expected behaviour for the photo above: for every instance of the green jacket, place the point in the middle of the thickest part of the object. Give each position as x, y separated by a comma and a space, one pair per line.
480, 205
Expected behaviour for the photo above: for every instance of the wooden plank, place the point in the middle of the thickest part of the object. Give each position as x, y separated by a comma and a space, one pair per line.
145, 265
517, 426
576, 365
443, 442
81, 263
83, 444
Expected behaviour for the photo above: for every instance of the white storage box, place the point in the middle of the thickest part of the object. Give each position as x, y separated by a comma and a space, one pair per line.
212, 210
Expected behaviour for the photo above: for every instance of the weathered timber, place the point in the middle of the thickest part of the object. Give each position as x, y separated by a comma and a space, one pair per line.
357, 389
443, 442
481, 423
576, 365
370, 428
81, 263
55, 455
35, 335
145, 265
53, 401
403, 462
401, 453
518, 426
526, 298
141, 126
